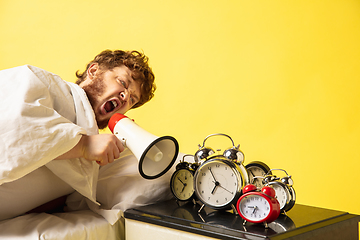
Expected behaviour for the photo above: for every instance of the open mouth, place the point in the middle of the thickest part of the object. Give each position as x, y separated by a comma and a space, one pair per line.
110, 106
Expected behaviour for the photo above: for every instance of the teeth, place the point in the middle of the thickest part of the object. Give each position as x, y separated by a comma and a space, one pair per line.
114, 103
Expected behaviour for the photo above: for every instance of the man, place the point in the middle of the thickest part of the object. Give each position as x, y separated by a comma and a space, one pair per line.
44, 118
114, 83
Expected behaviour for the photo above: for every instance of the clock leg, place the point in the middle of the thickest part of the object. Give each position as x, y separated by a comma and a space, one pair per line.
201, 208
202, 219
266, 225
234, 209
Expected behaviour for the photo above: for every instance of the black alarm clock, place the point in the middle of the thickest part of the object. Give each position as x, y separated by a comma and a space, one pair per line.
255, 170
182, 180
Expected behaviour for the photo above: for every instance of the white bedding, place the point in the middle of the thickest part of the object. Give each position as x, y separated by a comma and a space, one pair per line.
40, 121
42, 117
78, 225
120, 187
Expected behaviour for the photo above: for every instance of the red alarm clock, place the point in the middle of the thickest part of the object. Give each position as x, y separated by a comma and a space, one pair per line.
258, 206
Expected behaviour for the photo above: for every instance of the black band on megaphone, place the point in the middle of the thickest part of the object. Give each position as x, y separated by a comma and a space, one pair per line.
171, 163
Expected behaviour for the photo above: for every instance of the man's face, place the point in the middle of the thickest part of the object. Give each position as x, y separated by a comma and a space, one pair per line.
111, 91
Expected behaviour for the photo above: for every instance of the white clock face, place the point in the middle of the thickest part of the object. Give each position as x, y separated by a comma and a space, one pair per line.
183, 184
256, 172
254, 207
280, 194
217, 183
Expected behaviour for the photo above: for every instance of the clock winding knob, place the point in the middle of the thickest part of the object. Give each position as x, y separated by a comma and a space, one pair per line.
233, 154
203, 153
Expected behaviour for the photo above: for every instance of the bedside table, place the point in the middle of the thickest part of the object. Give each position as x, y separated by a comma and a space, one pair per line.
173, 220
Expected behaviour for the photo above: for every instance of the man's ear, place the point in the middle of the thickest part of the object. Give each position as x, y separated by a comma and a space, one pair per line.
92, 70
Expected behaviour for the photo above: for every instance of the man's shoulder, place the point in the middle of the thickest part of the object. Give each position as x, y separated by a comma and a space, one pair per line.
25, 67
28, 70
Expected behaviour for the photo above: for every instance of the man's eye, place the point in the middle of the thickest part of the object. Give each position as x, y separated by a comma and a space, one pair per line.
123, 83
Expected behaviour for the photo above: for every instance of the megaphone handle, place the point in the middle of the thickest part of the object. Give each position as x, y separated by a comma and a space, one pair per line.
122, 140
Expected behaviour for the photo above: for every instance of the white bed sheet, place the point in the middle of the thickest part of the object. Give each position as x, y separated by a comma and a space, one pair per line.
78, 225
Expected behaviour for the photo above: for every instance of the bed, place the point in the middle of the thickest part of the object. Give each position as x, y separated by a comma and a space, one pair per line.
119, 188
79, 225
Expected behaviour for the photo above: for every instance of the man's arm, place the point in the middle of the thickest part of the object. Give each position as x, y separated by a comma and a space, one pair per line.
102, 148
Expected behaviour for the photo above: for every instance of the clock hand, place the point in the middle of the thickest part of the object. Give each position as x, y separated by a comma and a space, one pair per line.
183, 187
213, 175
216, 185
212, 192
255, 208
251, 207
181, 181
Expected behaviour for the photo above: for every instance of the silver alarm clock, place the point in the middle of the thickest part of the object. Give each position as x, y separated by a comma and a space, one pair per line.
285, 193
219, 179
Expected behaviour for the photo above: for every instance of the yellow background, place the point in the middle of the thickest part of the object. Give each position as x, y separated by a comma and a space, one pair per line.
281, 78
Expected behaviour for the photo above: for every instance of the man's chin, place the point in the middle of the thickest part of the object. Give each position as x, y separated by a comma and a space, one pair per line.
102, 123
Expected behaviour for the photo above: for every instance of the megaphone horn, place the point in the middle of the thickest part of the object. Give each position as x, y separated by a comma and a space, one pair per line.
156, 155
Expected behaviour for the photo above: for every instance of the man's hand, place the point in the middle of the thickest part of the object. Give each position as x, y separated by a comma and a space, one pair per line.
102, 148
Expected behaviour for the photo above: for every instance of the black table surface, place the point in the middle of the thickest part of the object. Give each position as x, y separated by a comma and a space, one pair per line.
301, 222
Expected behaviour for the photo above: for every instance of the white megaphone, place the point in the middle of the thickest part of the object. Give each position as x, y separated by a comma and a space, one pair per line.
155, 155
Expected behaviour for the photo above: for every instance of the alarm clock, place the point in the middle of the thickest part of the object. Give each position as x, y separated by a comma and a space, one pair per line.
258, 206
220, 178
182, 180
257, 169
233, 153
284, 190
